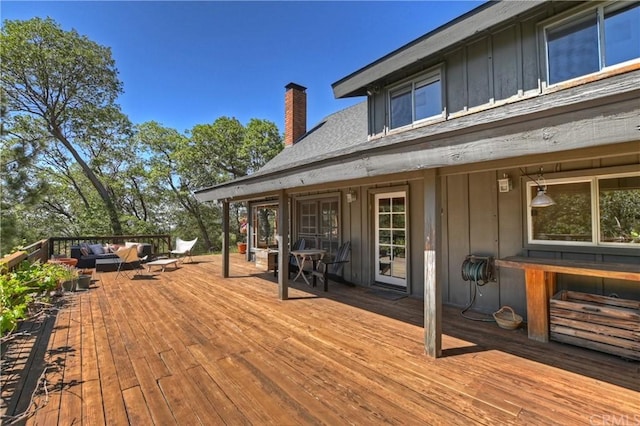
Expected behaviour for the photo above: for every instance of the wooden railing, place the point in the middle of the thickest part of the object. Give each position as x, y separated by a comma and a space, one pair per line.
160, 244
34, 252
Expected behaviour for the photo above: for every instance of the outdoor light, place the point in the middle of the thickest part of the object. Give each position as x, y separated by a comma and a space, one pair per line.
352, 196
542, 199
504, 184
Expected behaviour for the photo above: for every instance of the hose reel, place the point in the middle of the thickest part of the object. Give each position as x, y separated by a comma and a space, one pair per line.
479, 270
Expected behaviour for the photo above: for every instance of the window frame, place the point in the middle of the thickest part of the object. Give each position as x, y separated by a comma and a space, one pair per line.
593, 181
573, 18
433, 75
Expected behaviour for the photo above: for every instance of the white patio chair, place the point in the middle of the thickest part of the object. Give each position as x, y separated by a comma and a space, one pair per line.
183, 249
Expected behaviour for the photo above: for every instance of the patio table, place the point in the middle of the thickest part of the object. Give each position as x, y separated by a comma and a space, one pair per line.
302, 256
163, 263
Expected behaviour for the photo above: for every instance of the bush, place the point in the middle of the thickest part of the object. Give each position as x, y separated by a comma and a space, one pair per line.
27, 285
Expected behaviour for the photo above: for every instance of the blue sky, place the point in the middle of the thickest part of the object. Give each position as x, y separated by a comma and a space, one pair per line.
188, 63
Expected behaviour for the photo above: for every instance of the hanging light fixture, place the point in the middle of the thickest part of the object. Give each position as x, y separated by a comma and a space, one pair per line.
542, 199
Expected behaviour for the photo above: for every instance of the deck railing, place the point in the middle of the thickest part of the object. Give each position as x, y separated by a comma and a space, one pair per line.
160, 244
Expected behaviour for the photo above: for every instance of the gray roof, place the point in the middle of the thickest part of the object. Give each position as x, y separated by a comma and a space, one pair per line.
341, 130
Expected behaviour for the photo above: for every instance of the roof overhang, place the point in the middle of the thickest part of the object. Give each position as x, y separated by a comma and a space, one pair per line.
606, 114
477, 21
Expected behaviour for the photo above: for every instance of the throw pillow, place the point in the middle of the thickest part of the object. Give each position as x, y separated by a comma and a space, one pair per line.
96, 249
84, 249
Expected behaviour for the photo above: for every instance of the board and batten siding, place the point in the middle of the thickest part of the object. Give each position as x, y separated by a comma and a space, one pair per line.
482, 221
488, 69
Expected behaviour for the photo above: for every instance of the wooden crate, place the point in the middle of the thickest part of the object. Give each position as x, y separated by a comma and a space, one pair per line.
606, 324
266, 259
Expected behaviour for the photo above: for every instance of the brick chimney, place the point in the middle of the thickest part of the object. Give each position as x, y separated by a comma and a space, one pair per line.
295, 113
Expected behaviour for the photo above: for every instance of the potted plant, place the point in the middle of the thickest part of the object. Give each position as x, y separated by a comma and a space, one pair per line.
69, 279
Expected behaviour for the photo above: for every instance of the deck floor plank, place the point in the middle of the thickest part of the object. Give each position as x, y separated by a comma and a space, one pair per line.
188, 347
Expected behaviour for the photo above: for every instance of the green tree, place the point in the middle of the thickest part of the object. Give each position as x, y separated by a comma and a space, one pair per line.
67, 85
228, 150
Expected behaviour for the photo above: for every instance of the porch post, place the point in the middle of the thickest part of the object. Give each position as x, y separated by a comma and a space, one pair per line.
225, 239
432, 286
283, 246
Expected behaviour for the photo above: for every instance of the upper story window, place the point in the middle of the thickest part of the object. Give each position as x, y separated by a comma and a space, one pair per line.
597, 210
604, 36
415, 100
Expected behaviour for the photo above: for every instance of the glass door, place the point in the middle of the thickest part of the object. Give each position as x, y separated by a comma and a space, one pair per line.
390, 240
318, 223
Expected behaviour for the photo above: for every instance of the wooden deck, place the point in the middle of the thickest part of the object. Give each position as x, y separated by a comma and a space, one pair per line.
188, 347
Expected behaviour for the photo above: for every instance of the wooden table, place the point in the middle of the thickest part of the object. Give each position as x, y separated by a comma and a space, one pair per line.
540, 279
302, 256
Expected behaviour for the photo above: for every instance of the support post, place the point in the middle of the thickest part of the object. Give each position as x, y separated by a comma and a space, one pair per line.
225, 239
283, 246
432, 287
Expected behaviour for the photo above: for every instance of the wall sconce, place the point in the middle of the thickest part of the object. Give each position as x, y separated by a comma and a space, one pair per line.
352, 196
542, 199
505, 184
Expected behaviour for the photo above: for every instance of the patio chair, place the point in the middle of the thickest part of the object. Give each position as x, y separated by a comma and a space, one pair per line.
332, 268
129, 256
183, 249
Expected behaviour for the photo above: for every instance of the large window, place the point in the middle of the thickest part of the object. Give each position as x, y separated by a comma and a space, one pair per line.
602, 37
600, 210
416, 100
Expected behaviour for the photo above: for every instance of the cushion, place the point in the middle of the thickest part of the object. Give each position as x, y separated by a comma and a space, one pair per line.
96, 249
84, 249
128, 244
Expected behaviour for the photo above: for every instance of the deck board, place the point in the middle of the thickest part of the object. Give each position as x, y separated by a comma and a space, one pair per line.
188, 347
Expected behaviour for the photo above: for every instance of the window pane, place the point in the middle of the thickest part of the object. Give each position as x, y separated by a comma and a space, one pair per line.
428, 100
401, 109
384, 221
622, 34
384, 237
384, 205
398, 205
398, 221
569, 219
620, 209
573, 50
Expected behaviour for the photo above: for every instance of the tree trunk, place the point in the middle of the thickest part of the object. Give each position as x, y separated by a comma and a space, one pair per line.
114, 217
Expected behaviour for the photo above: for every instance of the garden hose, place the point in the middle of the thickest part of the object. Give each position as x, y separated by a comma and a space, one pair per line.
480, 271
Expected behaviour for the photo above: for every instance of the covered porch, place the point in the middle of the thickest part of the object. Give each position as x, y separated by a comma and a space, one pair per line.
190, 347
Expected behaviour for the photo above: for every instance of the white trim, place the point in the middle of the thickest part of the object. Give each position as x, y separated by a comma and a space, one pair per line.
409, 86
392, 280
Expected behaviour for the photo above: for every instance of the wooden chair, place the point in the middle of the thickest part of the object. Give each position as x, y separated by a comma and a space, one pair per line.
332, 268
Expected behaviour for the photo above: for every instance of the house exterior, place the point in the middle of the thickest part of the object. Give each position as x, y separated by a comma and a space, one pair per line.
456, 133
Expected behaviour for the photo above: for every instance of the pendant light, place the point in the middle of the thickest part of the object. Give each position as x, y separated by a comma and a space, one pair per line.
542, 199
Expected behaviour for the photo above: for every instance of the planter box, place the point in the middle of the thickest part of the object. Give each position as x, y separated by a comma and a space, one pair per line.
602, 323
266, 259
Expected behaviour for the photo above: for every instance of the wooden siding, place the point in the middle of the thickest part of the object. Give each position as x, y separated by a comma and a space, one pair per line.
483, 221
188, 347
